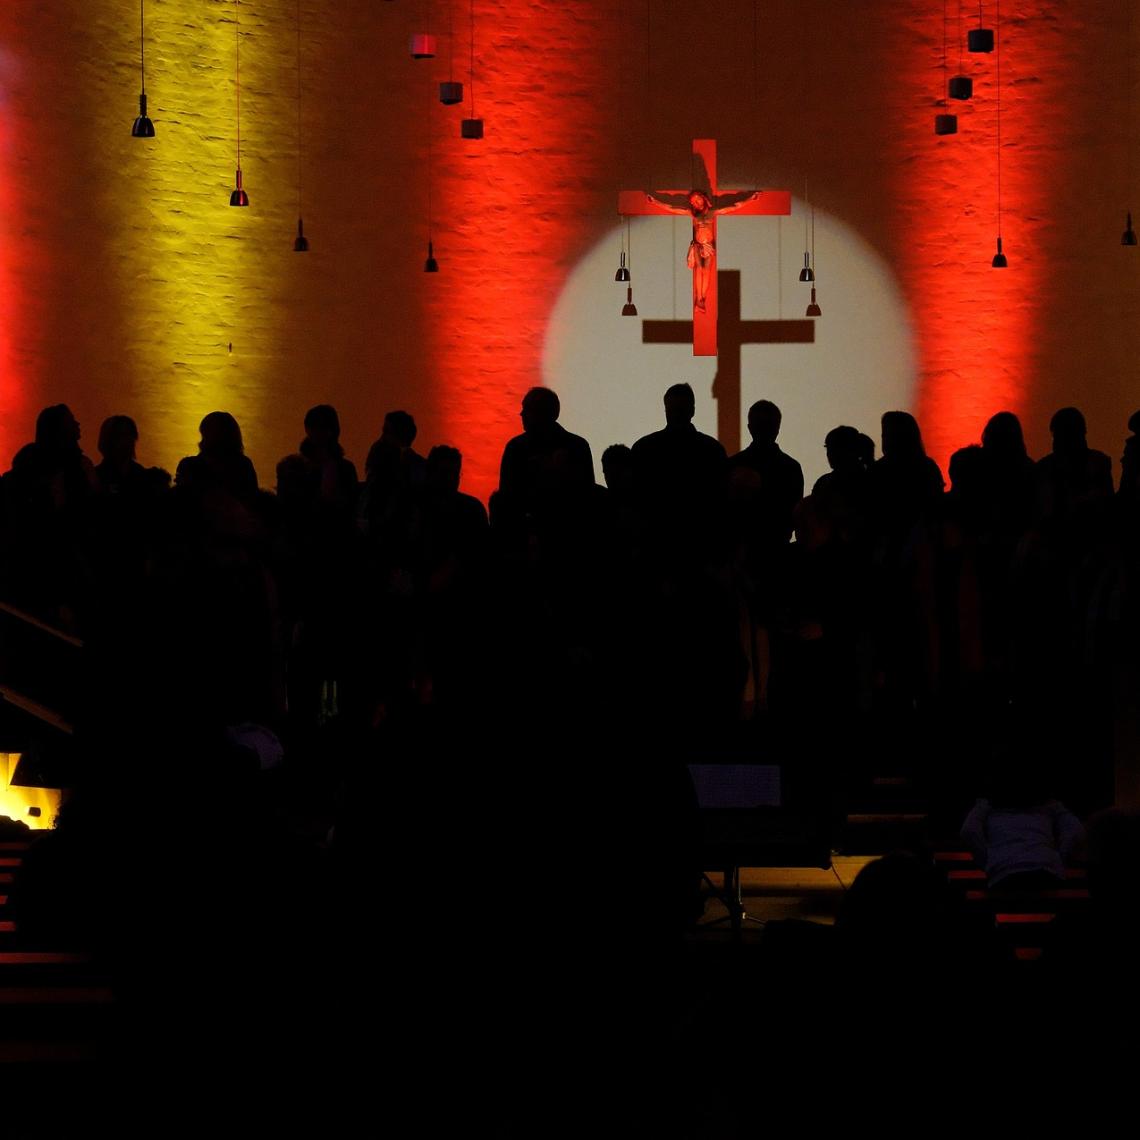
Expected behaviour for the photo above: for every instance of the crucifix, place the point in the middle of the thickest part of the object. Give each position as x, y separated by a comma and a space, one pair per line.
734, 334
704, 203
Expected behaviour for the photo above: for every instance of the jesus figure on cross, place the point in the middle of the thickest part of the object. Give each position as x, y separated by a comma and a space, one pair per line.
701, 258
703, 203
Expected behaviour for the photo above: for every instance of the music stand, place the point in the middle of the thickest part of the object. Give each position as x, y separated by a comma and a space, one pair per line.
744, 823
724, 791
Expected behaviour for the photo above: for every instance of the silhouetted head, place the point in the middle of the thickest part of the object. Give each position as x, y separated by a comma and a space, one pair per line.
1130, 464
322, 423
322, 432
221, 435
899, 904
968, 472
444, 465
1069, 430
117, 438
540, 409
680, 405
57, 429
1002, 437
292, 478
699, 202
764, 421
399, 429
617, 467
1134, 423
902, 438
843, 447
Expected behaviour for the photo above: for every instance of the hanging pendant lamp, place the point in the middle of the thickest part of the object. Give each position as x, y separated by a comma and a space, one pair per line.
961, 86
238, 196
806, 274
979, 39
944, 122
629, 309
1129, 235
300, 243
813, 309
143, 127
1000, 261
471, 127
430, 263
450, 92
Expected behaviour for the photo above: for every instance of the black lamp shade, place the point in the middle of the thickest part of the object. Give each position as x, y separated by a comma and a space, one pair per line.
945, 124
471, 129
980, 39
960, 87
238, 196
143, 127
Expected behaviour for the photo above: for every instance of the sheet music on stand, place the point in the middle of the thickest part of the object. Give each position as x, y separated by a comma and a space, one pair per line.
736, 786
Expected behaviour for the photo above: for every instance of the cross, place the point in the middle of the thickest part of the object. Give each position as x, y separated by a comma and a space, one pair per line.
703, 203
734, 333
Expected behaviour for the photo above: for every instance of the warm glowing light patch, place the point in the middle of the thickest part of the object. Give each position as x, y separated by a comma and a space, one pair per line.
17, 802
862, 362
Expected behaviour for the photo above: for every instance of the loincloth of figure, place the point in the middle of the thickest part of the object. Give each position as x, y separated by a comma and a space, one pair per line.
701, 248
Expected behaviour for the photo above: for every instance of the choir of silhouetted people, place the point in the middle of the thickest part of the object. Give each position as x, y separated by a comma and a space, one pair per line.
525, 686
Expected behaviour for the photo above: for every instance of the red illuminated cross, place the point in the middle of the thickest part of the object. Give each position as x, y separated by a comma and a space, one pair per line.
704, 203
735, 333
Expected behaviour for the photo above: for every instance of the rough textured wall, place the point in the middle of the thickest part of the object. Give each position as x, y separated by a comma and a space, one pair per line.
128, 284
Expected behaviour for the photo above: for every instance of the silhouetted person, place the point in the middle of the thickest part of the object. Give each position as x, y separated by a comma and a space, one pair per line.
1074, 479
841, 496
902, 925
449, 536
546, 462
1019, 833
617, 470
395, 447
680, 478
906, 484
1129, 492
773, 480
124, 513
456, 523
46, 495
906, 497
318, 477
120, 473
221, 463
1009, 475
